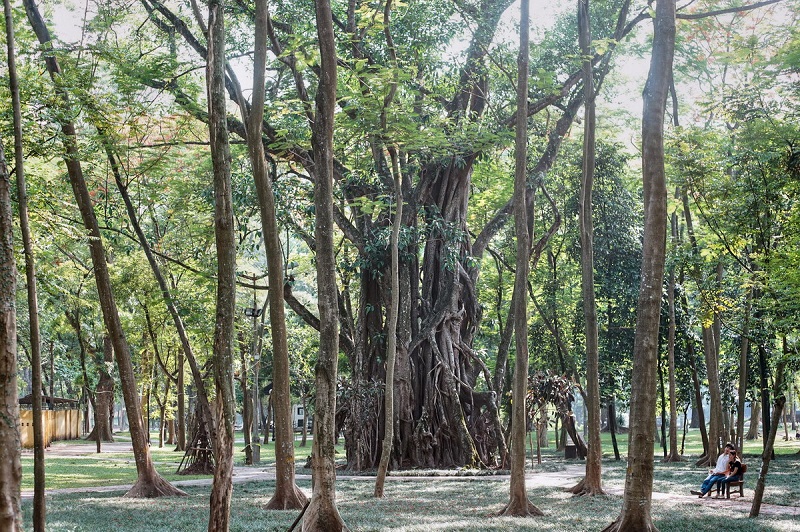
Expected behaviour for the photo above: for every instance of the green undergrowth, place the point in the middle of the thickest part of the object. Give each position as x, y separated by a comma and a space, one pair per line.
411, 505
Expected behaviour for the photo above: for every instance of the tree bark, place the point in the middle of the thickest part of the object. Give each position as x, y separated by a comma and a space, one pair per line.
10, 462
322, 513
591, 483
287, 495
39, 504
394, 273
225, 402
519, 505
149, 483
769, 440
674, 455
104, 397
744, 349
636, 508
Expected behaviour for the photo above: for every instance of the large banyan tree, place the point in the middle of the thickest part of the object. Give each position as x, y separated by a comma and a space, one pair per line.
452, 107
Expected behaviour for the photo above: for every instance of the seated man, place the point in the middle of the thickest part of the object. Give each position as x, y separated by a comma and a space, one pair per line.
716, 474
734, 472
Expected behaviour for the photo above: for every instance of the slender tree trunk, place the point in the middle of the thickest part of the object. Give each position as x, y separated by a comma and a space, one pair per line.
322, 513
674, 455
636, 508
591, 483
39, 505
10, 463
612, 425
743, 352
287, 494
181, 419
769, 440
394, 274
149, 483
518, 504
225, 402
755, 413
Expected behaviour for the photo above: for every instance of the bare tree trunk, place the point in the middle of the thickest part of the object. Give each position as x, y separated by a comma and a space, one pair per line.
755, 411
10, 463
518, 504
769, 440
322, 513
636, 508
287, 495
149, 483
39, 505
674, 455
591, 483
225, 402
743, 351
104, 398
394, 303
181, 419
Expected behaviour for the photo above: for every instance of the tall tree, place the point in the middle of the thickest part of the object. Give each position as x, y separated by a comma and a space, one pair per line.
10, 463
39, 504
149, 483
635, 514
519, 505
287, 494
225, 403
322, 513
590, 485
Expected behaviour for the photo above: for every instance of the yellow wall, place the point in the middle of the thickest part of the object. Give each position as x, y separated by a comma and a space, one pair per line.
57, 424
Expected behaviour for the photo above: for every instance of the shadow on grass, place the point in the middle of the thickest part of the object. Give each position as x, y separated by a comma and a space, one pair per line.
410, 505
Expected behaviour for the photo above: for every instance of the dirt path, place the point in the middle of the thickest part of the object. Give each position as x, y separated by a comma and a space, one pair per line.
564, 479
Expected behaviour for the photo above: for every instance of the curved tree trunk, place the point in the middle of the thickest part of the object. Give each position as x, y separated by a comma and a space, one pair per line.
769, 440
149, 483
636, 507
287, 495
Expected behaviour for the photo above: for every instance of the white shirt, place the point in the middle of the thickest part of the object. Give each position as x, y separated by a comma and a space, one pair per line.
722, 463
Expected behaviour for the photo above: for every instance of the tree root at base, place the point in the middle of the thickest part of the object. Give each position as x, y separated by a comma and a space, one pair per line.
152, 488
523, 508
292, 499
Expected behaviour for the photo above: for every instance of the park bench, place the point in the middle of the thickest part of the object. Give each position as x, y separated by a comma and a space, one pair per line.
736, 484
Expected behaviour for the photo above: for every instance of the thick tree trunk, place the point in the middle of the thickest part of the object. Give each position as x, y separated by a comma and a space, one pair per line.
104, 398
322, 514
39, 505
149, 483
636, 508
10, 463
225, 402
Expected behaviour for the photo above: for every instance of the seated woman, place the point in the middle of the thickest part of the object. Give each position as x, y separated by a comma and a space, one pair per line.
734, 471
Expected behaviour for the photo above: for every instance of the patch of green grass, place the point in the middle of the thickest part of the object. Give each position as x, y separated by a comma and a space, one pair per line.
409, 505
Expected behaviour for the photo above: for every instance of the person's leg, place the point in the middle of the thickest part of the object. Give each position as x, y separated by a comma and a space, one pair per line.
708, 485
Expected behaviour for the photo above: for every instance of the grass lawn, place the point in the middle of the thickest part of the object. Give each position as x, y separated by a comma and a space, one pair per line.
411, 504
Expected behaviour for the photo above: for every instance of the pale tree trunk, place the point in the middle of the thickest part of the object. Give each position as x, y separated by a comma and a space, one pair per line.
181, 419
10, 464
322, 513
674, 455
636, 507
394, 274
769, 440
225, 402
518, 504
287, 494
39, 505
590, 485
149, 483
